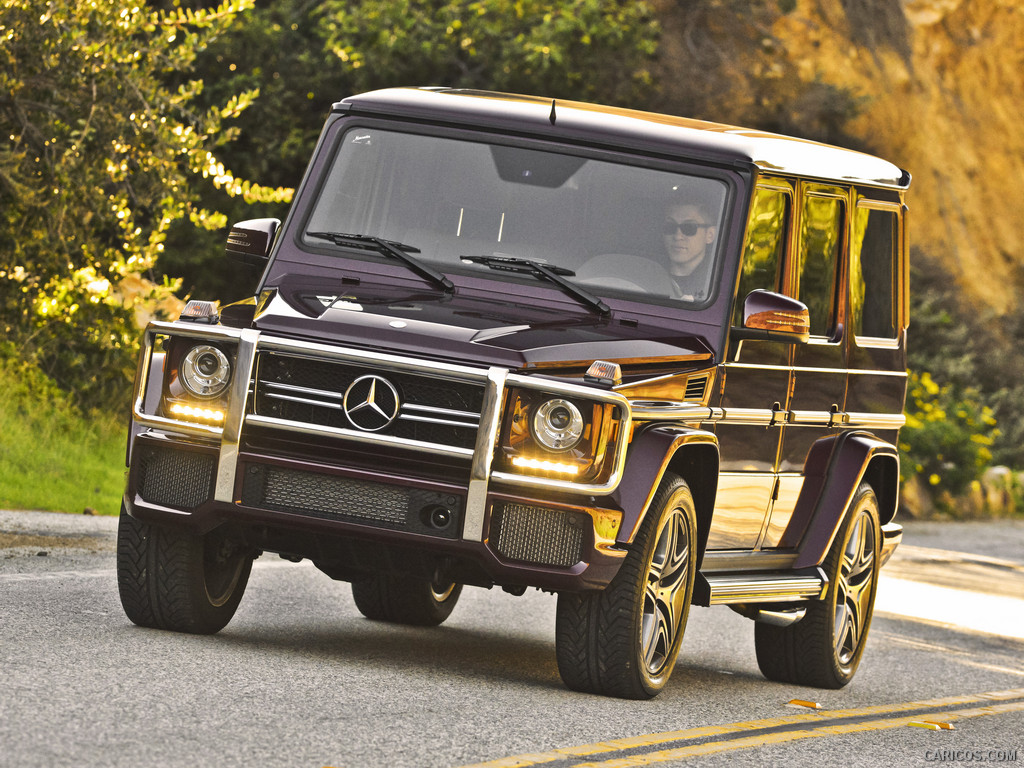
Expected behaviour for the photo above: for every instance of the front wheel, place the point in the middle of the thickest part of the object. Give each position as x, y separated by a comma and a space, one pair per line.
825, 647
404, 599
624, 640
173, 579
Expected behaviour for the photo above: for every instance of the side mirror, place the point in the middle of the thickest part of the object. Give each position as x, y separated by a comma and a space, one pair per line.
250, 241
769, 315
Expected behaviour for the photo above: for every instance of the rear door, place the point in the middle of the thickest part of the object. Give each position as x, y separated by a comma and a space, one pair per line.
818, 399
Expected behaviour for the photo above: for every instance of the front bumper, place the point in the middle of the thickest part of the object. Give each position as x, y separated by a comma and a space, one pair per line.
346, 486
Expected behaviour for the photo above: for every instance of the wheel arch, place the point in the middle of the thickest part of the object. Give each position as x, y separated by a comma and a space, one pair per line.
690, 453
836, 467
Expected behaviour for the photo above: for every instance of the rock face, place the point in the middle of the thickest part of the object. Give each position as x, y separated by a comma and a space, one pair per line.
937, 86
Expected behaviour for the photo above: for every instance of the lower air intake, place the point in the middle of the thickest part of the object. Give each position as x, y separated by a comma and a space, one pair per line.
174, 478
336, 497
538, 535
310, 492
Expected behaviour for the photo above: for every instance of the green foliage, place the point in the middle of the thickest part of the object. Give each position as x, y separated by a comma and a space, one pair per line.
280, 51
948, 436
51, 456
969, 351
98, 156
582, 49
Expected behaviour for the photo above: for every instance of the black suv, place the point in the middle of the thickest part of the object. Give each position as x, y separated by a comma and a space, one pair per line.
639, 361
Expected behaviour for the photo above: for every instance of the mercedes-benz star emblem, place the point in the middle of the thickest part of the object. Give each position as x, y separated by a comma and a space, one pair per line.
371, 403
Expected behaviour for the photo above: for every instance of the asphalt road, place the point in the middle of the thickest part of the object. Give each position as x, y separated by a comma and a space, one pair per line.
299, 678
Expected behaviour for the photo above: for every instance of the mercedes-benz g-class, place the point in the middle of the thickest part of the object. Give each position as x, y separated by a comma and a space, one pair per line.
638, 361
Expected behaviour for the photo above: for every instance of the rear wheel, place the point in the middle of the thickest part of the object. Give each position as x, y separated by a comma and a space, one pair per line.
403, 599
624, 640
173, 579
825, 647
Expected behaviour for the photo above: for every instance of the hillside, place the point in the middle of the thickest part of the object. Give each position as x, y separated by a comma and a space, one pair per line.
933, 85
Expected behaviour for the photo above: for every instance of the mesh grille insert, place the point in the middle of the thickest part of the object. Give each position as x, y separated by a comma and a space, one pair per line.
175, 478
538, 535
338, 497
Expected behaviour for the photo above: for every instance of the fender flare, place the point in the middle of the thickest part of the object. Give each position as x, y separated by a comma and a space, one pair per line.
655, 450
835, 468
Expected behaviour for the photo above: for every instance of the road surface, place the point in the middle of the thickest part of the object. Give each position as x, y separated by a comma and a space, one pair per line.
299, 678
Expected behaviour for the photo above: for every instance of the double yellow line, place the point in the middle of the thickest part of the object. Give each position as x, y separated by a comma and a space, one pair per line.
770, 731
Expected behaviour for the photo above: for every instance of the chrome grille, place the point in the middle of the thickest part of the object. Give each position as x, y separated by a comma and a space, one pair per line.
433, 410
537, 534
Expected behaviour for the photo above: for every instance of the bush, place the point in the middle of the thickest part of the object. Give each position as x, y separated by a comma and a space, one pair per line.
948, 437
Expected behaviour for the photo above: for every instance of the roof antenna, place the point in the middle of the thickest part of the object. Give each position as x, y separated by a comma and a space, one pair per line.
551, 117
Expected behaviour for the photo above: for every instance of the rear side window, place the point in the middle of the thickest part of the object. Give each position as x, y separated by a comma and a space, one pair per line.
821, 240
873, 281
767, 235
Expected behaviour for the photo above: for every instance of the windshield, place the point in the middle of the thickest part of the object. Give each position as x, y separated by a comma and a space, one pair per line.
619, 229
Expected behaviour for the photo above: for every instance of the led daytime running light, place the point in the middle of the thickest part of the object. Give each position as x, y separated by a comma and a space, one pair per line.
194, 413
545, 465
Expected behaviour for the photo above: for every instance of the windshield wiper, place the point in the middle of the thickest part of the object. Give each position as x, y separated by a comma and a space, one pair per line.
391, 248
547, 271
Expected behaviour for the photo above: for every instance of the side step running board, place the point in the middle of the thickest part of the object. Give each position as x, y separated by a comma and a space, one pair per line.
727, 588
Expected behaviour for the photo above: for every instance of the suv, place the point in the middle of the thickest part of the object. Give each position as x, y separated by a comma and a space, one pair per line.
638, 361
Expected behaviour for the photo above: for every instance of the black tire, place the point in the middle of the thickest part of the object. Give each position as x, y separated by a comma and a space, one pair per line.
624, 640
172, 579
824, 648
401, 599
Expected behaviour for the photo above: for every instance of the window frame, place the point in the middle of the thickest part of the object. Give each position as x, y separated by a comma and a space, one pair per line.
822, 190
899, 273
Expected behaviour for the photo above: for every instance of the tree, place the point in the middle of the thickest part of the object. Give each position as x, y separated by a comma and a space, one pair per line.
99, 154
578, 49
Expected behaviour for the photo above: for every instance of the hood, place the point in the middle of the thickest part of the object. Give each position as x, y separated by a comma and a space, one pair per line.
466, 329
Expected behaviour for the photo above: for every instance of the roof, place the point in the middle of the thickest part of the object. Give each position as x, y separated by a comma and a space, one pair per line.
648, 131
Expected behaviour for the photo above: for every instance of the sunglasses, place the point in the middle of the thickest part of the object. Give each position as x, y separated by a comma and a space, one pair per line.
689, 228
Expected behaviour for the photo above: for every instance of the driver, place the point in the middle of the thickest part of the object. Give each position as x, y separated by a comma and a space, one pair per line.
688, 235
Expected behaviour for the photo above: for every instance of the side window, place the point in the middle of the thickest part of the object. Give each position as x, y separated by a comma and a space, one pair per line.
766, 245
821, 239
873, 281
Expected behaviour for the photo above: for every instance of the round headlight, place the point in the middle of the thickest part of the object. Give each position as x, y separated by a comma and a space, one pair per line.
205, 371
558, 425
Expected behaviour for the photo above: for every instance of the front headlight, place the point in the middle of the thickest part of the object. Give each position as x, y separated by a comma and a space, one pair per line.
558, 436
558, 425
205, 371
197, 377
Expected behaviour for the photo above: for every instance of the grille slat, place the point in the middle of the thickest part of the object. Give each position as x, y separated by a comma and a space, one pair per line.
436, 411
695, 388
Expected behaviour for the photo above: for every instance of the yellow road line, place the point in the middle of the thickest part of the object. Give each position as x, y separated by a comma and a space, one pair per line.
781, 737
616, 745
